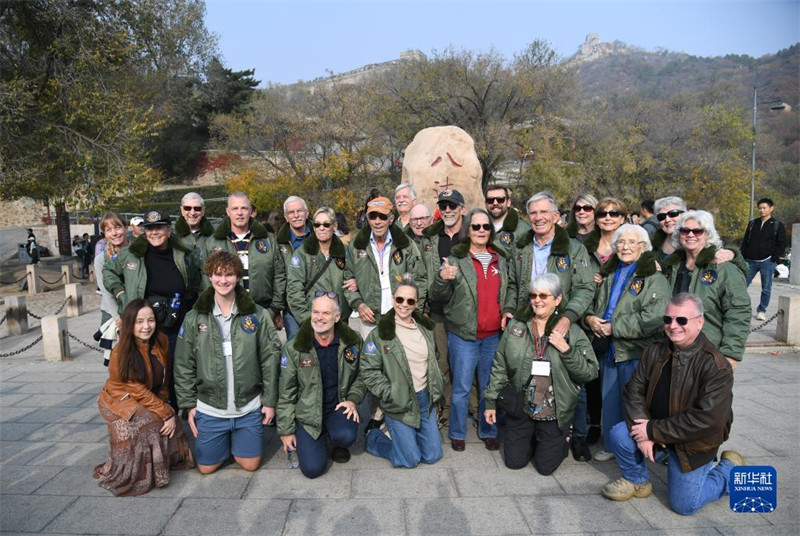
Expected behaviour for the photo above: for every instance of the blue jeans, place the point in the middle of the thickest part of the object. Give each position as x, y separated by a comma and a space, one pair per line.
615, 378
312, 454
767, 270
465, 358
688, 492
290, 325
579, 425
408, 445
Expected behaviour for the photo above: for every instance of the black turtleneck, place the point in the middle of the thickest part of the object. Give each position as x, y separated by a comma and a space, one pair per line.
163, 277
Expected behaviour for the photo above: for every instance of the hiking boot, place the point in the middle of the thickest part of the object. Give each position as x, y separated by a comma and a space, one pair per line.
623, 489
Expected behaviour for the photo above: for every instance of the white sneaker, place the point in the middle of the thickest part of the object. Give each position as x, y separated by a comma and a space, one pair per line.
603, 456
761, 316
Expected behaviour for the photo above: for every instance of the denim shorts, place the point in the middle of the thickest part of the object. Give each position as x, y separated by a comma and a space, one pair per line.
218, 438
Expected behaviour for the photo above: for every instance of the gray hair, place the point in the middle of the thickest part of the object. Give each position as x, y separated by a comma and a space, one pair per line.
685, 297
587, 198
403, 187
668, 202
635, 229
193, 196
706, 221
325, 210
241, 194
549, 282
336, 307
538, 197
292, 199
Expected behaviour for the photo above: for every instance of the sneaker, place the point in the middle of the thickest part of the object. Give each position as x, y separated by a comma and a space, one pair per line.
623, 489
603, 456
340, 455
761, 316
580, 450
732, 456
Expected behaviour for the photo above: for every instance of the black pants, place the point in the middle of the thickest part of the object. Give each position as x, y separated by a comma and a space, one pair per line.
541, 440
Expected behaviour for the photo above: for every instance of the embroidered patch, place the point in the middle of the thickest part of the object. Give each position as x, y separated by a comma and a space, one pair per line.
306, 362
708, 277
519, 256
387, 349
397, 258
284, 360
130, 265
398, 278
563, 263
262, 245
284, 249
351, 354
370, 348
506, 238
313, 262
361, 254
249, 324
295, 261
216, 248
182, 330
637, 285
517, 331
428, 247
340, 263
202, 328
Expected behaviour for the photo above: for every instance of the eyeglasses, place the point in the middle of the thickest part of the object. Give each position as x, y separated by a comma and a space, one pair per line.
329, 293
630, 243
326, 224
541, 295
479, 226
492, 200
400, 300
612, 213
377, 215
583, 208
422, 219
295, 212
190, 209
447, 205
681, 320
672, 214
686, 231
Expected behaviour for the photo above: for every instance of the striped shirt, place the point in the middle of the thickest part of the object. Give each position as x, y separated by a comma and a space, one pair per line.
241, 243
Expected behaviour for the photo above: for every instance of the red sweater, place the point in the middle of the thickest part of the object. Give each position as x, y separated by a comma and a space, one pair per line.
489, 308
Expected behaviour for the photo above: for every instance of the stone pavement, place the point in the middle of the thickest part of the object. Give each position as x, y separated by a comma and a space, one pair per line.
51, 436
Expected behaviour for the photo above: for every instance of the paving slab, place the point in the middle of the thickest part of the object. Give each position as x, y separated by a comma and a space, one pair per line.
395, 483
16, 431
28, 513
489, 515
655, 509
291, 484
216, 516
51, 400
504, 482
559, 514
114, 515
21, 452
355, 517
22, 480
69, 433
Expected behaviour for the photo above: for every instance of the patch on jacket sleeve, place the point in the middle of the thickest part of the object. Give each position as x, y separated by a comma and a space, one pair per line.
249, 324
295, 261
709, 277
370, 348
182, 330
351, 353
637, 285
262, 245
563, 263
517, 331
284, 360
131, 265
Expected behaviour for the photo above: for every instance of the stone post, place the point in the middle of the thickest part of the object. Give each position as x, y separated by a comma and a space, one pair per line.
56, 341
788, 329
92, 275
34, 283
794, 269
16, 315
75, 303
66, 273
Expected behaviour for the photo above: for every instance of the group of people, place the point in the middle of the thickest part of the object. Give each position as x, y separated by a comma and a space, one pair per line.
559, 335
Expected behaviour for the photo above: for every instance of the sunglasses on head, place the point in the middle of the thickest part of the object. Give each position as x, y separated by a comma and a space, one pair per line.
672, 214
583, 208
541, 295
196, 209
326, 224
612, 213
447, 205
686, 231
680, 320
492, 200
378, 215
410, 301
329, 293
479, 226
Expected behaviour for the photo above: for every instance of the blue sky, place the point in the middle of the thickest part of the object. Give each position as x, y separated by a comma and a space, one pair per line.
301, 40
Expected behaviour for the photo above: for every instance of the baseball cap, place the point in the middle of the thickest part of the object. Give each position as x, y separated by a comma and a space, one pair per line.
380, 204
454, 196
154, 217
137, 220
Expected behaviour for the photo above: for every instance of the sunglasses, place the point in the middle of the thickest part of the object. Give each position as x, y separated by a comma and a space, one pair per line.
612, 213
479, 226
542, 296
329, 293
190, 209
492, 200
410, 301
672, 214
680, 320
447, 205
378, 215
326, 224
686, 231
583, 208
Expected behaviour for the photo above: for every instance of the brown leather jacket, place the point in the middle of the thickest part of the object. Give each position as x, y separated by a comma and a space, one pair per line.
700, 398
125, 398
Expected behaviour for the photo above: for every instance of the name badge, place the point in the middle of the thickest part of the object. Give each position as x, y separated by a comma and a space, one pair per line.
227, 348
540, 368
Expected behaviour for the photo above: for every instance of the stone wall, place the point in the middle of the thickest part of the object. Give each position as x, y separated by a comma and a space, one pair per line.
24, 212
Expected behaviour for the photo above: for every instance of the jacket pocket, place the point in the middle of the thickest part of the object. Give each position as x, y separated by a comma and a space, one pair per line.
125, 407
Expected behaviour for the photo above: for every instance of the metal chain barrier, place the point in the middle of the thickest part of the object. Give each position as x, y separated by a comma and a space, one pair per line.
2, 320
767, 321
53, 282
79, 277
37, 317
86, 344
20, 280
24, 348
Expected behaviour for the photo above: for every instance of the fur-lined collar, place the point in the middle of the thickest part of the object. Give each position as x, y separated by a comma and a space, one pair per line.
645, 267
560, 241
433, 229
525, 313
140, 246
658, 239
284, 235
511, 221
244, 303
592, 241
311, 246
705, 258
304, 340
224, 229
387, 325
460, 251
572, 229
399, 238
182, 228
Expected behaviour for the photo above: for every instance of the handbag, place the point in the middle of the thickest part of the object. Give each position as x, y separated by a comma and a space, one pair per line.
512, 401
